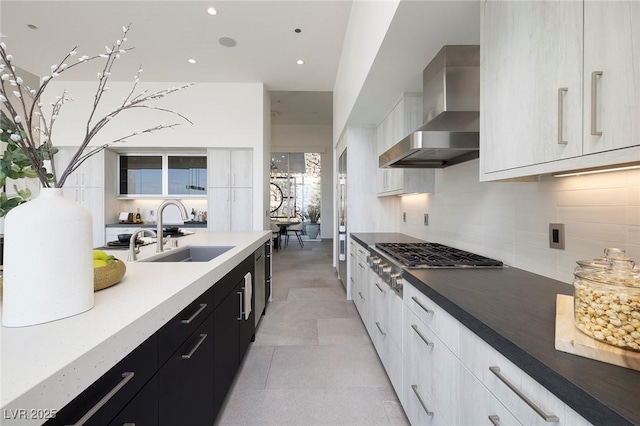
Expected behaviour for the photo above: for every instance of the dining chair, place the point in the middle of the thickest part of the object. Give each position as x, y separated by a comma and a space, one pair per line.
275, 235
296, 229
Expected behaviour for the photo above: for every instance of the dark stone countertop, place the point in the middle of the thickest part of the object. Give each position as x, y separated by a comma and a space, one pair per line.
514, 311
153, 225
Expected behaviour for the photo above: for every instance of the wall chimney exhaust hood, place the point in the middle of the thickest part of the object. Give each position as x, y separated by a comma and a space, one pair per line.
451, 104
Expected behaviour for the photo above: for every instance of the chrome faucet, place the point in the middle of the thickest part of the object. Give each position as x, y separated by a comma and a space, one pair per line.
132, 242
165, 203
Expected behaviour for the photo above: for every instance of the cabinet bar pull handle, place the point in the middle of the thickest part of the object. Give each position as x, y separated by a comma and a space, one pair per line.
126, 376
424, 406
380, 329
561, 92
241, 314
494, 419
195, 314
380, 288
551, 418
594, 103
351, 279
360, 265
427, 310
424, 339
195, 347
361, 296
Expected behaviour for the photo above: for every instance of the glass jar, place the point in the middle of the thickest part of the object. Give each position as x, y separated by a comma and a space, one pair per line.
601, 262
607, 303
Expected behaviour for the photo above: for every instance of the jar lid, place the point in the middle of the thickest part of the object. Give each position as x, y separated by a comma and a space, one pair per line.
619, 272
603, 262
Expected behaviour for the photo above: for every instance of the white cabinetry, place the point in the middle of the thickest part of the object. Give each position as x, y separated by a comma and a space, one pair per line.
536, 73
230, 189
404, 118
86, 186
360, 275
611, 75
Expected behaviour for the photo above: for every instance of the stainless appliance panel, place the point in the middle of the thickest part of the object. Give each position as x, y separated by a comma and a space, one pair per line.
342, 218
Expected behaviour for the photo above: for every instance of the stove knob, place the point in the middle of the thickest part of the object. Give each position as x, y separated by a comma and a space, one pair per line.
379, 267
396, 280
373, 260
386, 271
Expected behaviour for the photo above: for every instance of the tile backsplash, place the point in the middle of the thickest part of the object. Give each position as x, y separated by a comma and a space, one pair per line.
510, 220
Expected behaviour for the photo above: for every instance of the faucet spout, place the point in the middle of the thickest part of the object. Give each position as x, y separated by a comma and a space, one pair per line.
132, 242
165, 203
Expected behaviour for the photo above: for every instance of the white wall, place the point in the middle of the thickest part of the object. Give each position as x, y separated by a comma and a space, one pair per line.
223, 115
367, 26
509, 220
311, 138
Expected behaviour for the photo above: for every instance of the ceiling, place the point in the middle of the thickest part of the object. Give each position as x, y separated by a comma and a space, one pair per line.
165, 34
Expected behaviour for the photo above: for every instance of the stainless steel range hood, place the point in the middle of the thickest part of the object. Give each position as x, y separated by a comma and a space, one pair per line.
451, 104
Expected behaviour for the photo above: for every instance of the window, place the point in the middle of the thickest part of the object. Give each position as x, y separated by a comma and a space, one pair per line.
162, 175
295, 184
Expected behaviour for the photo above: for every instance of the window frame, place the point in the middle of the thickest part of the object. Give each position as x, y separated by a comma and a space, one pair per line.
164, 173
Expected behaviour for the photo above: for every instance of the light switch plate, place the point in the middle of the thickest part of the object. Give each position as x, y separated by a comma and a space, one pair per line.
556, 236
404, 217
426, 219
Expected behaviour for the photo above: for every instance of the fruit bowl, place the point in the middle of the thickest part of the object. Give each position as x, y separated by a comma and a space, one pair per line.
106, 276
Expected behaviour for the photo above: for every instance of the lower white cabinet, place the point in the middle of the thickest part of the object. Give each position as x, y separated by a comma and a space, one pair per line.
230, 209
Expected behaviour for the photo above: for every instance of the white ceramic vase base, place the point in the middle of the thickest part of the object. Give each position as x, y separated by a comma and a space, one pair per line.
48, 260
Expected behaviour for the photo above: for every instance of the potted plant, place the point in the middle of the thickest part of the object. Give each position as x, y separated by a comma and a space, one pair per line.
313, 228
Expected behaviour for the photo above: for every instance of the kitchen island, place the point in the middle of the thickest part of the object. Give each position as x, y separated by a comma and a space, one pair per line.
513, 311
46, 366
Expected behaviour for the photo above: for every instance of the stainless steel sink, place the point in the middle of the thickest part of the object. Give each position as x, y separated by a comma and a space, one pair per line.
189, 254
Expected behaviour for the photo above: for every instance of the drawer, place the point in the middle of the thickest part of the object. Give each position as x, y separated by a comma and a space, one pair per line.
394, 317
437, 368
175, 331
362, 253
418, 405
481, 359
143, 409
108, 395
437, 319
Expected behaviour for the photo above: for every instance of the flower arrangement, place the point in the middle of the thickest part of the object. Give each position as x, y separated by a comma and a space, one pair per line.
28, 132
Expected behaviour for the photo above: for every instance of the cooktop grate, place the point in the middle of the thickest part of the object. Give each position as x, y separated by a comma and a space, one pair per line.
434, 255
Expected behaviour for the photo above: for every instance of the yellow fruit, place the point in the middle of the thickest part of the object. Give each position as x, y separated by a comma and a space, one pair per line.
100, 255
97, 263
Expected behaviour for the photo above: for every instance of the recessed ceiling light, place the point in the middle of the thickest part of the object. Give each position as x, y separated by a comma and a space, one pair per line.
300, 62
212, 11
31, 26
192, 61
227, 41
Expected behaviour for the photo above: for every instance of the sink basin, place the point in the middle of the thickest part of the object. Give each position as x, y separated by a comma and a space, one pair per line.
189, 254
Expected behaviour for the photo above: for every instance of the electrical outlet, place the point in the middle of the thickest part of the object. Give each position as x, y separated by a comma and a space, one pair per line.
426, 219
556, 236
404, 216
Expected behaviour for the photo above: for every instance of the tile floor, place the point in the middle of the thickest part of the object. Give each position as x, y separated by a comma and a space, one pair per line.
312, 362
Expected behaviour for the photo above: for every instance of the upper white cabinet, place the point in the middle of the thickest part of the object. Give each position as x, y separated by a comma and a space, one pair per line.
404, 118
531, 83
611, 75
230, 189
230, 168
538, 62
86, 186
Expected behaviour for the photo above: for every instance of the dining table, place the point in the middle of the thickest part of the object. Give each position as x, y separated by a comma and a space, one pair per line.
284, 226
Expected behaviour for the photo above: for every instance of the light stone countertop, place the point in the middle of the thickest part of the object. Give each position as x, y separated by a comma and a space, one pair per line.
46, 366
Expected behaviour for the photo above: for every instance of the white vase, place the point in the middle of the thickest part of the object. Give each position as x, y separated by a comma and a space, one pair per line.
48, 260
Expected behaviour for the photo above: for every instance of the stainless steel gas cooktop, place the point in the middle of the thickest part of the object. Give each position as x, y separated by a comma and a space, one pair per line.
434, 255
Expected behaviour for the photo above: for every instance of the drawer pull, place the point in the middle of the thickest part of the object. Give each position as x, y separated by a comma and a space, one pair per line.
195, 347
361, 296
360, 265
494, 419
380, 329
195, 314
126, 377
380, 288
128, 424
424, 406
240, 313
427, 310
424, 339
546, 417
594, 103
561, 92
